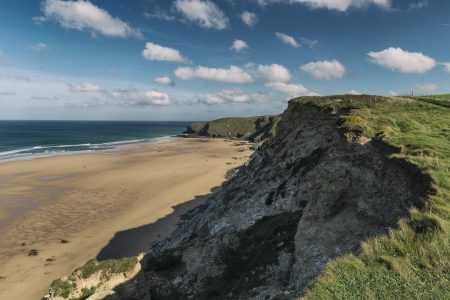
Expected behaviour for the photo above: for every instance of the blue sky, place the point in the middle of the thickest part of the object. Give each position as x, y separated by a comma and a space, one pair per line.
203, 59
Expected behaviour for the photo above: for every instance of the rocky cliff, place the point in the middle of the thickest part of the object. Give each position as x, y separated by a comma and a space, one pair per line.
311, 193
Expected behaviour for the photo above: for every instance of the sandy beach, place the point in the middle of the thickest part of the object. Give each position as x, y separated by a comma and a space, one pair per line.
103, 205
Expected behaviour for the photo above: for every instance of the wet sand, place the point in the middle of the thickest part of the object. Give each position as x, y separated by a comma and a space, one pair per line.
107, 205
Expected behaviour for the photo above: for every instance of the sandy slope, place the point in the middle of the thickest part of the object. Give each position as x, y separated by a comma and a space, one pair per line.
102, 203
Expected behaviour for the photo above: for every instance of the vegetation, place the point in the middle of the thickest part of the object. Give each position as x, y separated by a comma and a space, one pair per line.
246, 128
111, 266
62, 288
412, 261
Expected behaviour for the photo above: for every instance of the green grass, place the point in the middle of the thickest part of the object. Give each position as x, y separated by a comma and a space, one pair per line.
106, 268
62, 288
412, 261
237, 127
111, 266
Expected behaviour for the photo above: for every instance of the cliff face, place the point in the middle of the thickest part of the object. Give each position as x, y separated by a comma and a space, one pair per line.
254, 129
311, 193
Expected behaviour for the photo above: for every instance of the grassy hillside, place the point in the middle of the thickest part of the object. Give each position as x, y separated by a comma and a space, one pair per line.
413, 261
442, 100
245, 128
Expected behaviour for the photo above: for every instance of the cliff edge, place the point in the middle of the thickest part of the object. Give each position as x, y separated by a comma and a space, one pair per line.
338, 203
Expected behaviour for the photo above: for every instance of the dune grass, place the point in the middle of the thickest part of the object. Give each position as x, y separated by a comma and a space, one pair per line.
412, 261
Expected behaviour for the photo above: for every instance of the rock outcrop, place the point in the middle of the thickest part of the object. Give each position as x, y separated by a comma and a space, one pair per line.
254, 129
309, 194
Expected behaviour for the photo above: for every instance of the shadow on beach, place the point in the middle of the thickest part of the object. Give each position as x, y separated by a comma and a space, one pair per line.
134, 241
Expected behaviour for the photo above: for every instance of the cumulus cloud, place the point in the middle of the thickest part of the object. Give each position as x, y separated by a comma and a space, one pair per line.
324, 69
85, 87
232, 96
157, 52
275, 73
40, 47
132, 98
164, 80
287, 39
205, 13
83, 15
426, 88
249, 18
403, 61
239, 45
233, 74
290, 89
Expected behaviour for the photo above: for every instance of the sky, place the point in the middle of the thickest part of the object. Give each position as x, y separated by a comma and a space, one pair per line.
205, 59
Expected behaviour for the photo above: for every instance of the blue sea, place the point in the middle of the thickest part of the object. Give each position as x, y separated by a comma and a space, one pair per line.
28, 139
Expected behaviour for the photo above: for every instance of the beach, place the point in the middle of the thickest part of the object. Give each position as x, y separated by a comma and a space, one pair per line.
73, 208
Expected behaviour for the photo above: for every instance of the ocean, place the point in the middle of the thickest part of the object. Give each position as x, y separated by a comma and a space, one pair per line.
28, 139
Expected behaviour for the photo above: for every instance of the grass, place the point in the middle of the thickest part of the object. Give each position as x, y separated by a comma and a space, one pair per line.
412, 261
111, 266
61, 288
64, 288
246, 128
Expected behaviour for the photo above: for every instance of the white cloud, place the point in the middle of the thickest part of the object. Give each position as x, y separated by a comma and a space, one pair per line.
393, 93
353, 92
325, 69
427, 88
340, 5
403, 61
85, 87
249, 18
290, 89
275, 73
40, 47
158, 52
160, 14
232, 96
132, 98
164, 80
205, 13
446, 66
287, 39
239, 45
210, 99
343, 5
82, 15
417, 5
233, 74
309, 42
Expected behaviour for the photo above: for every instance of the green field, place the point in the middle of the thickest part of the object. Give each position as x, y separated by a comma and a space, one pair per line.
413, 261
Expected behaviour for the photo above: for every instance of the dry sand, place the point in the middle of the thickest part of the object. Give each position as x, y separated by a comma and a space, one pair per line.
106, 205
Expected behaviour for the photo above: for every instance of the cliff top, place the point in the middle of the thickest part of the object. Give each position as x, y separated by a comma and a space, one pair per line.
413, 260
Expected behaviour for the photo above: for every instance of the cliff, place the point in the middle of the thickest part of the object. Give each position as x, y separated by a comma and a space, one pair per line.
254, 129
344, 201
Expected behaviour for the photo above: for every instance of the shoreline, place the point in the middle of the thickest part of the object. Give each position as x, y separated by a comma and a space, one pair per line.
118, 146
102, 203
